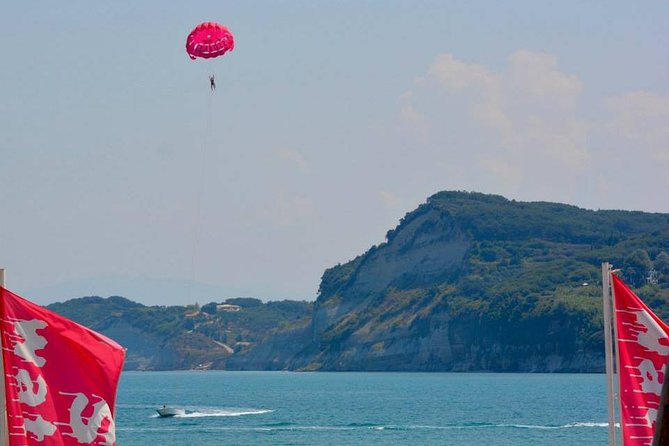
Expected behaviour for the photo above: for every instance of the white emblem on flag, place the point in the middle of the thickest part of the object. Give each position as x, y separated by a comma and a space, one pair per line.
39, 427
646, 333
25, 341
87, 429
26, 387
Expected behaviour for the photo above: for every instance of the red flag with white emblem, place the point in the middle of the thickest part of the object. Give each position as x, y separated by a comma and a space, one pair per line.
643, 350
60, 377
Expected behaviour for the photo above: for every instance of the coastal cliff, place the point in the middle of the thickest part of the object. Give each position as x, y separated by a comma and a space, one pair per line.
474, 282
465, 282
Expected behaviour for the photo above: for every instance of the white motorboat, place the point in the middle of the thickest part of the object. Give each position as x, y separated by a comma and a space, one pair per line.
170, 411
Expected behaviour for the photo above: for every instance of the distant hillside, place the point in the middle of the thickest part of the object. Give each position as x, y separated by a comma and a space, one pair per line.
466, 282
477, 282
190, 337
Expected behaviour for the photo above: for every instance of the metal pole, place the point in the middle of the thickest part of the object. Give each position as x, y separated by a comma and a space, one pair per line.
608, 349
4, 426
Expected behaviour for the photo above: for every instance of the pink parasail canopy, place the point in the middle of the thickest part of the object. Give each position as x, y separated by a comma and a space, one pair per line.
209, 40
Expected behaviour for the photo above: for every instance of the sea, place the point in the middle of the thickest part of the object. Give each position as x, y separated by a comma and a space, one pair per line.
350, 408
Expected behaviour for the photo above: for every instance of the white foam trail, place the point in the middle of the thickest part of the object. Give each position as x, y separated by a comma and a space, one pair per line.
225, 412
297, 428
589, 424
579, 424
564, 426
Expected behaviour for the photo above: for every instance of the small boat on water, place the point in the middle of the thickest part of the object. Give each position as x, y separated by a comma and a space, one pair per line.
170, 411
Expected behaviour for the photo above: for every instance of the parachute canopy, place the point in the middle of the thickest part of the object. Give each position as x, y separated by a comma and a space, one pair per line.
209, 40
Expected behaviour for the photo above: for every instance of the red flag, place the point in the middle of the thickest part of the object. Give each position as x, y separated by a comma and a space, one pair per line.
60, 377
643, 350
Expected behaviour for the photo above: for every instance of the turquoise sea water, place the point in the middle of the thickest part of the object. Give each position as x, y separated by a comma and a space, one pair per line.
280, 408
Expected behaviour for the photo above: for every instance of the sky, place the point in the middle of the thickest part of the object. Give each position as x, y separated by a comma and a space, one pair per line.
122, 174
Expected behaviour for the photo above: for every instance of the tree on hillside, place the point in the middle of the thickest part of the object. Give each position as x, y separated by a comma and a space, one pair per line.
661, 265
636, 266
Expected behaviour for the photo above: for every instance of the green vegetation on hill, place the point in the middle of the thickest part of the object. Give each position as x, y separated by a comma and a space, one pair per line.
521, 292
466, 281
184, 337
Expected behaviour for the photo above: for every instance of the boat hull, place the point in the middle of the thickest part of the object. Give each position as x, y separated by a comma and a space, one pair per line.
166, 412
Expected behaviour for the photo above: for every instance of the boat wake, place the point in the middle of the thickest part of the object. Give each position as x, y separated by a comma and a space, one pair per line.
287, 426
391, 427
201, 412
578, 424
222, 412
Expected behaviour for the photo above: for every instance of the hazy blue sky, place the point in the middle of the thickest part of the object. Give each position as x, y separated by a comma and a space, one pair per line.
120, 173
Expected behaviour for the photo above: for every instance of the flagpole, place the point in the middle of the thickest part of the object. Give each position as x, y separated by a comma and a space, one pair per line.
4, 425
608, 348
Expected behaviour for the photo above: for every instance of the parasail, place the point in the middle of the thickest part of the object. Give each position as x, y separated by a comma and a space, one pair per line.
209, 40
